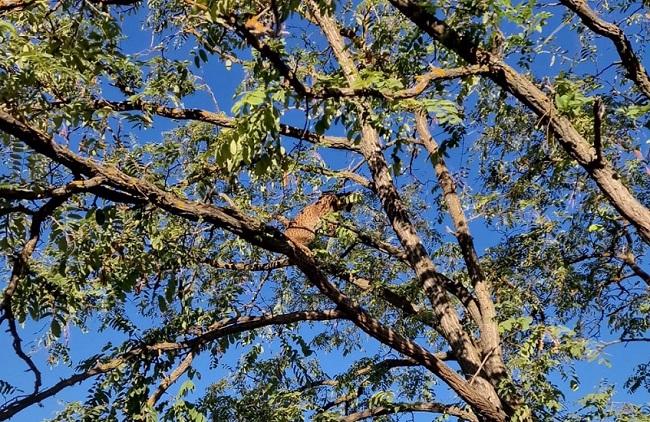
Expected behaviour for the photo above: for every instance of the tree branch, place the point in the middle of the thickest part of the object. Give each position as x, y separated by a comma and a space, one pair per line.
17, 345
169, 380
411, 407
599, 113
530, 95
447, 320
485, 314
257, 234
11, 5
635, 70
248, 266
422, 83
224, 328
58, 197
220, 120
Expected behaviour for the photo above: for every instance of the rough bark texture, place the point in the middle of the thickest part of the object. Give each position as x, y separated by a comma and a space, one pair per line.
635, 70
260, 235
490, 340
449, 326
571, 140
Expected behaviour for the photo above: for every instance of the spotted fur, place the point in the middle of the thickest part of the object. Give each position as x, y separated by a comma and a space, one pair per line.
303, 228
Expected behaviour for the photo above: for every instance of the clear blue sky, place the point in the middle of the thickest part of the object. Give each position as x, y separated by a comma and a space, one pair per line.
223, 83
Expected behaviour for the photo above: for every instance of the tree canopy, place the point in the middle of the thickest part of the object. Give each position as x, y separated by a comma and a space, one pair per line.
264, 210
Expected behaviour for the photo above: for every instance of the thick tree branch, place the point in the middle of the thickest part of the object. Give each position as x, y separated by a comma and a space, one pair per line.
449, 325
486, 320
341, 174
11, 5
257, 234
635, 70
530, 95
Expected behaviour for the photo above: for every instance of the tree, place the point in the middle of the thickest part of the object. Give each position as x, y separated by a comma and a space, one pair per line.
134, 211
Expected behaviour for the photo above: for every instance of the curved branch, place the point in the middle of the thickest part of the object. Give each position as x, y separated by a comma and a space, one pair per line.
17, 345
411, 407
58, 197
530, 95
224, 328
635, 70
220, 120
422, 83
257, 234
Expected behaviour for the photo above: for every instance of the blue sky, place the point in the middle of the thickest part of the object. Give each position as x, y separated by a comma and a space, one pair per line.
223, 83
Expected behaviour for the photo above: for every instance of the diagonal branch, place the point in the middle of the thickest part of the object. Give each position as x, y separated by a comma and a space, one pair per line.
635, 70
228, 327
171, 379
257, 234
435, 286
530, 95
490, 339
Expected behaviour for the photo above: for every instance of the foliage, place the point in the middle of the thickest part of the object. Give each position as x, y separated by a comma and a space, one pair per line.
174, 265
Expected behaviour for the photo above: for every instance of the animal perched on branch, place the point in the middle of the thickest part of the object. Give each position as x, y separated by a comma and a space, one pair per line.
303, 228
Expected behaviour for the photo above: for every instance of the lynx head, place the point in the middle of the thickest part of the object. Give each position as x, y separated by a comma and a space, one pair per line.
336, 201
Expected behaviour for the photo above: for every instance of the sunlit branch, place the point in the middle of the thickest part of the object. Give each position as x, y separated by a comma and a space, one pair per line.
530, 95
220, 120
485, 314
422, 83
411, 407
448, 323
171, 379
257, 234
340, 174
13, 5
635, 70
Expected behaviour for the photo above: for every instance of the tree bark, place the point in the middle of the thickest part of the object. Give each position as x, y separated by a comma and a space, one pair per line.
571, 140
